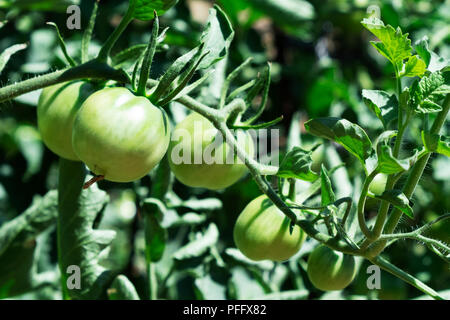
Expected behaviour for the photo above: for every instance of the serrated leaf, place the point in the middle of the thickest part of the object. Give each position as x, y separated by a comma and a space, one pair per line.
387, 163
216, 37
200, 245
297, 164
81, 244
427, 92
7, 53
433, 61
327, 193
122, 289
384, 105
398, 199
144, 8
351, 136
414, 67
394, 45
436, 143
18, 270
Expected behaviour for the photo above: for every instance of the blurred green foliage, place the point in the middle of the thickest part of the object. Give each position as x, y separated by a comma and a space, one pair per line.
321, 60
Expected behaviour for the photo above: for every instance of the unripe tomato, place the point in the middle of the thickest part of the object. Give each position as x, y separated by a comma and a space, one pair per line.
119, 135
378, 184
329, 269
192, 143
262, 232
317, 157
56, 112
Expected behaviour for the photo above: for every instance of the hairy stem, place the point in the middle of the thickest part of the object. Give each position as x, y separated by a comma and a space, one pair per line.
389, 267
89, 70
112, 39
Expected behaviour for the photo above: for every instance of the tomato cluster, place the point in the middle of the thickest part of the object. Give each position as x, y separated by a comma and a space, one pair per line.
122, 136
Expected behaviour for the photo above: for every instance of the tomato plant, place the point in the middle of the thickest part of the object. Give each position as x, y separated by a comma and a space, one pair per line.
262, 232
291, 169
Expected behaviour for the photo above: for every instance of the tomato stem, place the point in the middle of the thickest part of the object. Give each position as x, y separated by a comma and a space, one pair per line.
93, 180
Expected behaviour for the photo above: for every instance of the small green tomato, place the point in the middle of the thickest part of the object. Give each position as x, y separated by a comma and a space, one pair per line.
193, 158
378, 184
329, 269
262, 232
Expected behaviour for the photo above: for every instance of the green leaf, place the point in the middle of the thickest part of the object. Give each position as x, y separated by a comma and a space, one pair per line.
6, 55
18, 269
436, 143
30, 145
129, 54
384, 105
144, 8
287, 12
351, 136
122, 289
387, 163
244, 284
155, 234
79, 243
427, 92
433, 61
173, 72
297, 164
398, 200
327, 193
216, 37
414, 67
200, 245
394, 45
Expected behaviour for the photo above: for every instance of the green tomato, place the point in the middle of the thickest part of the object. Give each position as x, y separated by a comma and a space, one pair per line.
119, 135
329, 269
56, 112
262, 232
317, 157
378, 184
193, 159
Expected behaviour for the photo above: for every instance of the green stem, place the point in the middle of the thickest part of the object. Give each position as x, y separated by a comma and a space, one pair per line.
361, 203
389, 267
418, 168
87, 35
71, 179
390, 183
152, 281
148, 59
89, 70
306, 225
112, 39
